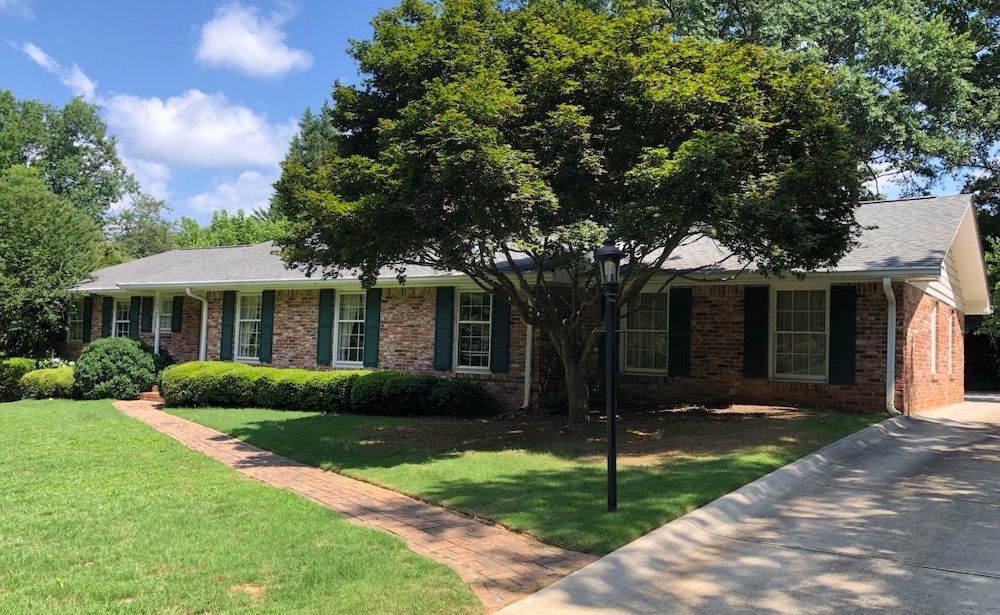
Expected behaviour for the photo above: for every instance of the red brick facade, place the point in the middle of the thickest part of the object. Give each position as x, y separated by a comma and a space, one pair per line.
406, 342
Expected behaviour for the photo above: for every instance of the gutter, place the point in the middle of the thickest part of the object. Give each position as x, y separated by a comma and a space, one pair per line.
890, 347
203, 341
529, 342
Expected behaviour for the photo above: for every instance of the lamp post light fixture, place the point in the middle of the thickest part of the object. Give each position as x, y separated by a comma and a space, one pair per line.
609, 260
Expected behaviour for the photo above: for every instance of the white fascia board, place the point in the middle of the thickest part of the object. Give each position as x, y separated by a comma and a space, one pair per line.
970, 261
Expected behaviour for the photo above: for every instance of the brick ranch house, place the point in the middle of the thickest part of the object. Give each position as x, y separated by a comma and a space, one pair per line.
724, 335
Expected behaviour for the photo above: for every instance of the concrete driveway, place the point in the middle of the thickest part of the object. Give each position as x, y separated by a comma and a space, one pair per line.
902, 517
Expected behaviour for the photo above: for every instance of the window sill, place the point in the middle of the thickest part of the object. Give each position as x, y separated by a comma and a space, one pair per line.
472, 370
799, 380
348, 366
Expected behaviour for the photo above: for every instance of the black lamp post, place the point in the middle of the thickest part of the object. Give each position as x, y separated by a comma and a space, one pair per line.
609, 259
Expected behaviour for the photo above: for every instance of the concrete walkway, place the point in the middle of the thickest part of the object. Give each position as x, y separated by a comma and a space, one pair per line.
501, 566
903, 517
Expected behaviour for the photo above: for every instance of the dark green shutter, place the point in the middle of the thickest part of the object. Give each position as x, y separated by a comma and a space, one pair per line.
373, 312
755, 328
177, 316
133, 318
324, 328
147, 314
443, 316
679, 328
88, 315
843, 330
500, 336
266, 325
107, 313
228, 315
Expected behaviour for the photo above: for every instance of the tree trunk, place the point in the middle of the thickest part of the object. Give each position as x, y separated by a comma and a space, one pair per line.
577, 391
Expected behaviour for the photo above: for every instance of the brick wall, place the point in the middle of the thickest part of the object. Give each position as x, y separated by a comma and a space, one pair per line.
925, 385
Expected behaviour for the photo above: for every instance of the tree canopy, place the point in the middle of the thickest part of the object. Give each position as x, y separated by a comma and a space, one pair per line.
537, 132
224, 230
69, 147
47, 246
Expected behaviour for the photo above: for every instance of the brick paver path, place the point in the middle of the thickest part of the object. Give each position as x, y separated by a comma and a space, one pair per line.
501, 566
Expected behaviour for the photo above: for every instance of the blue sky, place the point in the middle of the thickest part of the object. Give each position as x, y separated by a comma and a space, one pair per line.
202, 96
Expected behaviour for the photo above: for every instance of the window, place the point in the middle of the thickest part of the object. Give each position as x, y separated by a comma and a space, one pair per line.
349, 328
644, 339
248, 327
934, 317
800, 334
166, 313
121, 323
473, 339
75, 322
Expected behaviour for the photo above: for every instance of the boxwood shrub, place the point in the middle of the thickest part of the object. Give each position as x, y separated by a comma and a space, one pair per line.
237, 385
50, 382
113, 367
11, 371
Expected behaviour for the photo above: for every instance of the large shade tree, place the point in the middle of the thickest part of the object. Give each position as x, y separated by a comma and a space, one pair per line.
46, 246
508, 144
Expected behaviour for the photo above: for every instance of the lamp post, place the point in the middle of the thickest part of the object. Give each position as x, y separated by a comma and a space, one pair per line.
609, 259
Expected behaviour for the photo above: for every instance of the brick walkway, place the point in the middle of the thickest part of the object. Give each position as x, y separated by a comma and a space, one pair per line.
499, 565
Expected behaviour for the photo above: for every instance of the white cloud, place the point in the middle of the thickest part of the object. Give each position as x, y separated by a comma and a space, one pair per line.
20, 8
240, 37
74, 78
197, 129
249, 191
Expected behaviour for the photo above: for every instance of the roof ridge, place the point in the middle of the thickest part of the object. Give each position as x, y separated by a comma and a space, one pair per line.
915, 198
239, 245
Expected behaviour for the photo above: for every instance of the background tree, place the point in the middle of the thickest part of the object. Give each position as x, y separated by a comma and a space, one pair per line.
46, 246
224, 230
140, 229
535, 133
69, 147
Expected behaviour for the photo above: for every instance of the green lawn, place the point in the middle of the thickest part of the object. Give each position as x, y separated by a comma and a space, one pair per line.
101, 514
536, 476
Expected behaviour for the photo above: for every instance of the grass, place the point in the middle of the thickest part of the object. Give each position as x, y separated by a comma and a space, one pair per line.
537, 476
101, 514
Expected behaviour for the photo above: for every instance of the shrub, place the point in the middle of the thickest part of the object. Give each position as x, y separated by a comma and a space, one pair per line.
161, 361
49, 382
11, 371
211, 383
461, 397
393, 394
114, 367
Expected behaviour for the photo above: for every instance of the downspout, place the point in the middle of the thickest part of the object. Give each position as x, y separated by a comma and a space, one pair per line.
203, 342
527, 366
890, 350
156, 323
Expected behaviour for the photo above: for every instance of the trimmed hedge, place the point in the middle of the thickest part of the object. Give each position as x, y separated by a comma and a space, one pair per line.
50, 382
11, 371
113, 367
237, 385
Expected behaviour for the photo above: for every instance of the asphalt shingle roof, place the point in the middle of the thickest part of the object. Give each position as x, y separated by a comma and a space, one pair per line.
902, 234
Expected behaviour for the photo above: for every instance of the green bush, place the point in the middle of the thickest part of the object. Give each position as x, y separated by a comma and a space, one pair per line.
461, 397
50, 382
113, 367
161, 361
212, 383
11, 371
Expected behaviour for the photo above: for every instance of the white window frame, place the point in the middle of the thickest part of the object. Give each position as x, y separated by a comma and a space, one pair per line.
115, 320
457, 360
934, 329
75, 316
624, 336
337, 361
165, 311
238, 327
772, 345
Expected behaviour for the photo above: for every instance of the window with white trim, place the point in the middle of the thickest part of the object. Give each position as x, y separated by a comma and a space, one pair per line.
934, 327
121, 322
248, 327
75, 321
473, 340
801, 328
166, 314
644, 333
349, 328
